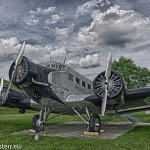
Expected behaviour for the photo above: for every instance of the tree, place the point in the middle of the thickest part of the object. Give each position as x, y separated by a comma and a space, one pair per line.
134, 76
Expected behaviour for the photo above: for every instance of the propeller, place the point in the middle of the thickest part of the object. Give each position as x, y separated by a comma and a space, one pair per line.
17, 62
1, 86
107, 76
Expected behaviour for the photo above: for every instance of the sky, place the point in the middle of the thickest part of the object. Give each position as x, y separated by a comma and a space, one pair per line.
86, 31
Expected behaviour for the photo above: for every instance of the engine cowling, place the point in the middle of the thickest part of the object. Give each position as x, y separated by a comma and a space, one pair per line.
115, 85
21, 72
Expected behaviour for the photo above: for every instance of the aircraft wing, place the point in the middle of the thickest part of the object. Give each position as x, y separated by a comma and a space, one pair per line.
17, 99
81, 102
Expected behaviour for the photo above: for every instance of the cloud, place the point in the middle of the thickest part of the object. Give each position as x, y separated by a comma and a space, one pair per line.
53, 20
115, 27
8, 48
80, 29
41, 11
87, 7
31, 20
90, 61
62, 34
11, 42
34, 16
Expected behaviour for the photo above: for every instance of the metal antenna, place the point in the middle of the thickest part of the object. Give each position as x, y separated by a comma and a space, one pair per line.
50, 56
65, 58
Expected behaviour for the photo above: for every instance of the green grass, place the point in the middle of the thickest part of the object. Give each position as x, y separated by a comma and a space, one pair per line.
11, 121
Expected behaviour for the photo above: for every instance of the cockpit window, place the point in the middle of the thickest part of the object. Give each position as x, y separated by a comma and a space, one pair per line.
57, 66
53, 65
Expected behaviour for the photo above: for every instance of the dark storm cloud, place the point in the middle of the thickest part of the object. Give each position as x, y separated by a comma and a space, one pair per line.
117, 38
115, 27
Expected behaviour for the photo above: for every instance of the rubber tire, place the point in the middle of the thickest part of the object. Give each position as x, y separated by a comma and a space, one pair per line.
92, 123
34, 126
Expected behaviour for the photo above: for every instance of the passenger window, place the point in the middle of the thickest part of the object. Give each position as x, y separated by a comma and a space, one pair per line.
77, 80
70, 77
89, 86
83, 83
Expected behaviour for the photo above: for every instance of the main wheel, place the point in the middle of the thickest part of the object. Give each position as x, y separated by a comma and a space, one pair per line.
36, 125
95, 123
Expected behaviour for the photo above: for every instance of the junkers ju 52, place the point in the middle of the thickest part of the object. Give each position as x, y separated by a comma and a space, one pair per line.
54, 87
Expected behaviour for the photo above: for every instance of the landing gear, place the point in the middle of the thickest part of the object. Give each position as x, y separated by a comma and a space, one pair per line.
36, 124
95, 123
38, 121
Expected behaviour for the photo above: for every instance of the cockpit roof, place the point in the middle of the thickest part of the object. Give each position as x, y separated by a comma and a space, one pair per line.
54, 65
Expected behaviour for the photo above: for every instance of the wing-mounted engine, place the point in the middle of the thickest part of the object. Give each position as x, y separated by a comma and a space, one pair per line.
114, 88
109, 85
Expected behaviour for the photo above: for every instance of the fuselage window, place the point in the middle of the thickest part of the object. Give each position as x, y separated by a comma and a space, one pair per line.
83, 83
77, 80
89, 86
70, 77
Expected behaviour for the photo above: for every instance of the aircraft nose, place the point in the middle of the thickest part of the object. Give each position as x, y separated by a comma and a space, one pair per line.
20, 73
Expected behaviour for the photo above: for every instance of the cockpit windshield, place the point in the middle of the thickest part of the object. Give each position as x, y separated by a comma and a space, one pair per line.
54, 66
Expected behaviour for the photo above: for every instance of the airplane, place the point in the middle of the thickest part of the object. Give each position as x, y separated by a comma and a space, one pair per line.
54, 87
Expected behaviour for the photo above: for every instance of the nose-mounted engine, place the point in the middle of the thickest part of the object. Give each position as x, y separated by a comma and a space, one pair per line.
114, 88
22, 71
27, 72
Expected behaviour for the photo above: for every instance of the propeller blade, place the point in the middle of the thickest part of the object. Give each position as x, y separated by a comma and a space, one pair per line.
17, 62
1, 86
104, 101
107, 76
19, 58
108, 67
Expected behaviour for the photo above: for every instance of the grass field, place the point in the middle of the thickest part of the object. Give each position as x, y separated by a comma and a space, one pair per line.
11, 121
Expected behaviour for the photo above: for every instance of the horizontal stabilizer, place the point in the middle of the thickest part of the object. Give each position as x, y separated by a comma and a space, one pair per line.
130, 118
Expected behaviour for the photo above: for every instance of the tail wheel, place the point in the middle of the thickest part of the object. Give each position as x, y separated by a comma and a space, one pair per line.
95, 123
36, 125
